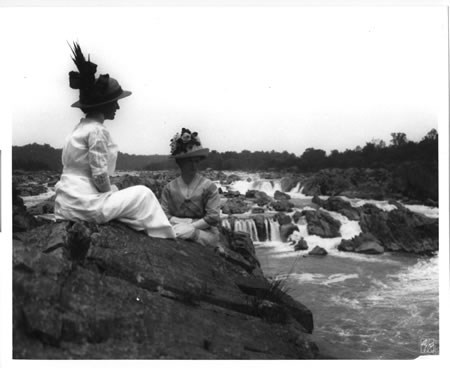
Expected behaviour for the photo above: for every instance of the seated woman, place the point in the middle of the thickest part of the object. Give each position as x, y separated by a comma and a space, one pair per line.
191, 201
89, 156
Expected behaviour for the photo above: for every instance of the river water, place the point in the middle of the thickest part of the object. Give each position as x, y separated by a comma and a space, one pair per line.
364, 306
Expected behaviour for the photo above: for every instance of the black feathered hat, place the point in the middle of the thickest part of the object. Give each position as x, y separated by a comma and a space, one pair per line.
93, 91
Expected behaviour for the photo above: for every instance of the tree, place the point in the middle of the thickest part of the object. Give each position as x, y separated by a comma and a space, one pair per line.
398, 139
378, 143
432, 135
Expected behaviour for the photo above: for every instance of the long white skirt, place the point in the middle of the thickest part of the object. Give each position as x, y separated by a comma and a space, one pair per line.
78, 199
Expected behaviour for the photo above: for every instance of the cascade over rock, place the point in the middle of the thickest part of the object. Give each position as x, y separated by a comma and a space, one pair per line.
287, 183
340, 205
286, 230
396, 230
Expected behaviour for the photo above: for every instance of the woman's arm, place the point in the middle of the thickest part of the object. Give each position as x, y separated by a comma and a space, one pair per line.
200, 224
212, 208
98, 160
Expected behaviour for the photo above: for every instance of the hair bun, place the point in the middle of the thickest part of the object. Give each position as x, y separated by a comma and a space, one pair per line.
74, 80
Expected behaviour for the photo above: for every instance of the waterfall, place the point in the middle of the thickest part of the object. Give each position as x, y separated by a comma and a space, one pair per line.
271, 226
245, 225
274, 230
302, 227
296, 188
254, 232
226, 224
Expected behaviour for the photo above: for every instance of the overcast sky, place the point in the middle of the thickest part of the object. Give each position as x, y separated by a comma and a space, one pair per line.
244, 78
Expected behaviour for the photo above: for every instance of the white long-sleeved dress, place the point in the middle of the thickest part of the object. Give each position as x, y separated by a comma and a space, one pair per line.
90, 151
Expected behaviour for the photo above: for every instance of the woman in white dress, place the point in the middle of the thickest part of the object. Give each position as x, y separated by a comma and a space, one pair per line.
89, 157
191, 201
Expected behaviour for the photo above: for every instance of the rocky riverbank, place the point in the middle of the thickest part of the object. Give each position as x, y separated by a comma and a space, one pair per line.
82, 291
393, 230
379, 184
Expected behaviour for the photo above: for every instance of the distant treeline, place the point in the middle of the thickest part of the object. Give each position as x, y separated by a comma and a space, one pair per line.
374, 154
33, 157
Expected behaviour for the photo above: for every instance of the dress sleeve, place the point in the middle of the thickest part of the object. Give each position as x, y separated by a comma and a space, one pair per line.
212, 205
98, 151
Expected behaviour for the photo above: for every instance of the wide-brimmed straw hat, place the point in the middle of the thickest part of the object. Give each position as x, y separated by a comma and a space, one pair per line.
93, 91
187, 145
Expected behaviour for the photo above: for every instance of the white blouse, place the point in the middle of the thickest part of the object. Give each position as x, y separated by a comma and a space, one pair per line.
89, 150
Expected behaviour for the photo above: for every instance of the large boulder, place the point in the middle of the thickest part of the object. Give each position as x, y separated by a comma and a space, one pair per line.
262, 198
337, 204
301, 245
401, 229
235, 206
318, 251
321, 223
283, 218
280, 196
296, 216
363, 243
108, 292
232, 178
282, 206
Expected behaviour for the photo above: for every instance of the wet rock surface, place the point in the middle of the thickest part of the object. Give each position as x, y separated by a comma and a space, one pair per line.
322, 224
364, 243
83, 291
396, 230
318, 251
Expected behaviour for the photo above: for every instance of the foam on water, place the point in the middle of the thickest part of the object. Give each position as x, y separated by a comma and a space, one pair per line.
432, 212
383, 205
348, 229
317, 278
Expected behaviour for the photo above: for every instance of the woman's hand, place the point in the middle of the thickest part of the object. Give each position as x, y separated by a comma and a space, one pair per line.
102, 182
200, 224
184, 231
179, 220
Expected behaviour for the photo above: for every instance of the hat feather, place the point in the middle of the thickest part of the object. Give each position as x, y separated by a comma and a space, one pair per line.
85, 77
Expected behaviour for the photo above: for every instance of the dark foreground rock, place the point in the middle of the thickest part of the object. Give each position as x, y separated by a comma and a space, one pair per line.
107, 292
